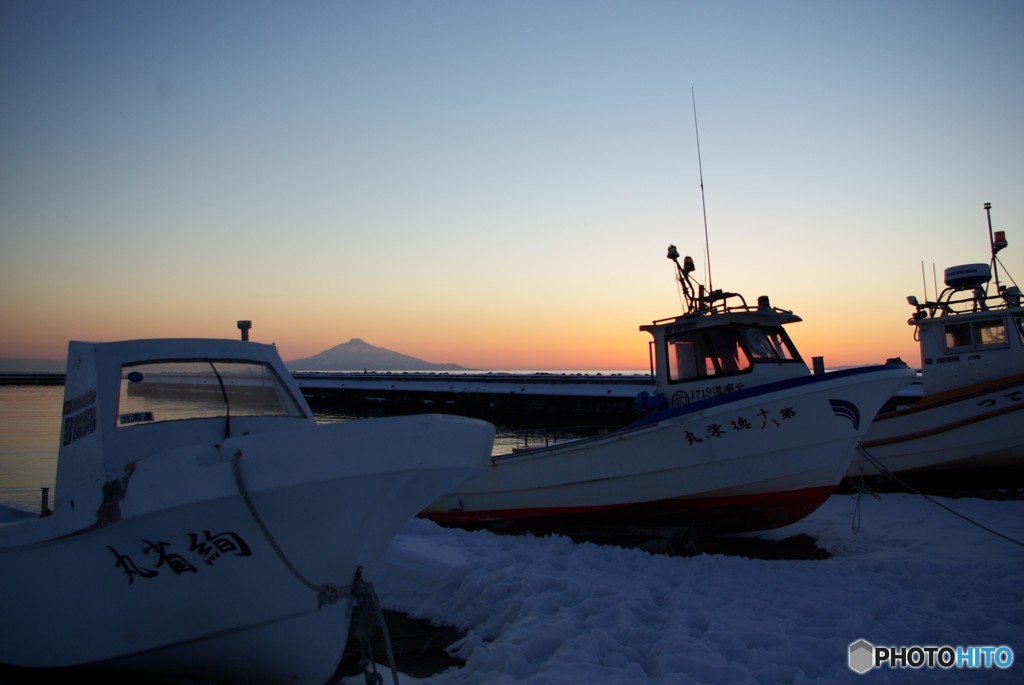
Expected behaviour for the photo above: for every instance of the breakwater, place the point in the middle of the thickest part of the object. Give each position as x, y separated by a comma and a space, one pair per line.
32, 378
537, 399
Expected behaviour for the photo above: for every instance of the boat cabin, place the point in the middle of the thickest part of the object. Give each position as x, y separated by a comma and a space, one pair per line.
968, 336
125, 400
721, 344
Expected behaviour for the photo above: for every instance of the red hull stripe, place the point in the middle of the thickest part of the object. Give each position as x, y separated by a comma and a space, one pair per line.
738, 512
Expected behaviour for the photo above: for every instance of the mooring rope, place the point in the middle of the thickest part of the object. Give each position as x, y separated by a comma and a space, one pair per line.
326, 593
859, 491
888, 475
367, 614
366, 609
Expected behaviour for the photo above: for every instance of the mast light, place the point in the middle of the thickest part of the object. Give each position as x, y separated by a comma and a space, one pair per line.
999, 242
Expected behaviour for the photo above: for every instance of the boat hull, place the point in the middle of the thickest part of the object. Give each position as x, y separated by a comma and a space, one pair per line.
753, 460
233, 563
974, 427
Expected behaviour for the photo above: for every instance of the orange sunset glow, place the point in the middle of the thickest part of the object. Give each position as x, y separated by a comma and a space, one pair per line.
494, 187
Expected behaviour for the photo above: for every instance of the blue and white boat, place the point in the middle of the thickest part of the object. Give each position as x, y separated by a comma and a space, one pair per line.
738, 435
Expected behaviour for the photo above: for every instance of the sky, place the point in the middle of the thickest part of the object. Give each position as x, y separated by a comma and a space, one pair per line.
545, 611
495, 183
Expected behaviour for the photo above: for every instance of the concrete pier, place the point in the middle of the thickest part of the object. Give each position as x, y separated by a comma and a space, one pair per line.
537, 399
32, 378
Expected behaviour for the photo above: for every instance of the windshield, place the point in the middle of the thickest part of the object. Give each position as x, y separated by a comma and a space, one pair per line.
725, 350
769, 343
172, 391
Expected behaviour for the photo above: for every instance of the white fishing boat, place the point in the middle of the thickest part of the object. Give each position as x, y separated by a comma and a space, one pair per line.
204, 527
739, 435
961, 419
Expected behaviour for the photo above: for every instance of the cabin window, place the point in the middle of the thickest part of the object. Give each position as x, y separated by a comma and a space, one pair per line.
958, 336
688, 357
172, 391
707, 352
724, 350
977, 334
769, 344
1019, 325
990, 333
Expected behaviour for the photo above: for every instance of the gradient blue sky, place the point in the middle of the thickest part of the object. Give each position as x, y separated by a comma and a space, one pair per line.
495, 183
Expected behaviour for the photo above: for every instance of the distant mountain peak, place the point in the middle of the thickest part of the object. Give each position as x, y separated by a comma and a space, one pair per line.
359, 355
358, 343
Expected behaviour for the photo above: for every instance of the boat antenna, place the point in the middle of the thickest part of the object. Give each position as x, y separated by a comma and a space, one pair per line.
993, 246
703, 207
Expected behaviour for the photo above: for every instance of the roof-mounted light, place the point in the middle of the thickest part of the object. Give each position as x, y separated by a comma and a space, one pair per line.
999, 242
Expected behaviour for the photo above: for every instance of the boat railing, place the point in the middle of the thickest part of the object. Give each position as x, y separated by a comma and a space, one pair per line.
954, 301
718, 302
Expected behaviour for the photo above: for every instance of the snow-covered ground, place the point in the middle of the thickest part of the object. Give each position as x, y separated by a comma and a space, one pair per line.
547, 610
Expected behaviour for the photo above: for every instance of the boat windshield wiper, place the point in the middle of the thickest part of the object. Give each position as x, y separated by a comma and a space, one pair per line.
227, 402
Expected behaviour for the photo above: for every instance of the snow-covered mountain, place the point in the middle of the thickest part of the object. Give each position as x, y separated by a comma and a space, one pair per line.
358, 355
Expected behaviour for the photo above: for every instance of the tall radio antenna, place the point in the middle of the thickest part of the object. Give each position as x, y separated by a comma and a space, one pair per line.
703, 207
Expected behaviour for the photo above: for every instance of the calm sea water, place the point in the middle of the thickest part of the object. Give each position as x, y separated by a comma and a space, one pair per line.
30, 419
29, 435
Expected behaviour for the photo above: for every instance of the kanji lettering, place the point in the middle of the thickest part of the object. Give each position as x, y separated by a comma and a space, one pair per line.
177, 563
213, 546
130, 568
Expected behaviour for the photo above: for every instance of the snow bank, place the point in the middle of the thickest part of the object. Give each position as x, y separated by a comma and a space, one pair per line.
547, 610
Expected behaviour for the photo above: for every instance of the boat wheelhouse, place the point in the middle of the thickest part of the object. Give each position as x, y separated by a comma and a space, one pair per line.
719, 345
969, 335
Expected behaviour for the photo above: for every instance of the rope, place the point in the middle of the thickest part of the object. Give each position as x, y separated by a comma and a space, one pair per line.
858, 491
889, 476
326, 593
368, 615
365, 604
